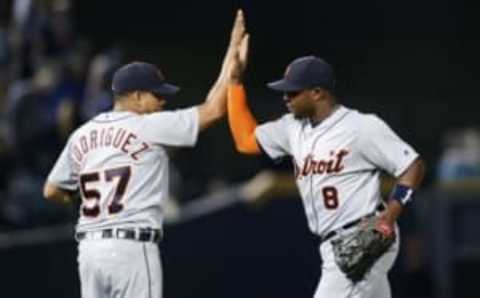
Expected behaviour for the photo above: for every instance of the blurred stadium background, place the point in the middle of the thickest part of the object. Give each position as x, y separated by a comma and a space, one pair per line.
415, 63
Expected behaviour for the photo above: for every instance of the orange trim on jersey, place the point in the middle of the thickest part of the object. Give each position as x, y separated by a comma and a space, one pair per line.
242, 122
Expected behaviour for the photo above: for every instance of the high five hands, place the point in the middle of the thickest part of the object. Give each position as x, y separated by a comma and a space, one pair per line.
235, 61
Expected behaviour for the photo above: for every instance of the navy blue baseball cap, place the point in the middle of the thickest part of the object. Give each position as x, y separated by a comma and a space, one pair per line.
305, 73
141, 76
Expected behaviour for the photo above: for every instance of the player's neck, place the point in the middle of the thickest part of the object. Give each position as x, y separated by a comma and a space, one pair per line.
323, 113
124, 107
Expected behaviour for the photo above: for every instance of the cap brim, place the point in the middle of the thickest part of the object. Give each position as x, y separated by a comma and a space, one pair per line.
166, 89
284, 86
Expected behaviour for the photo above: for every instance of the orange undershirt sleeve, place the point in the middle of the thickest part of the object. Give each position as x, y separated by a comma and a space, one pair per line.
241, 121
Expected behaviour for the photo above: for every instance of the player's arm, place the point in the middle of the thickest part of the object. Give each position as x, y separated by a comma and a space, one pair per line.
61, 184
406, 184
214, 108
54, 193
240, 119
381, 146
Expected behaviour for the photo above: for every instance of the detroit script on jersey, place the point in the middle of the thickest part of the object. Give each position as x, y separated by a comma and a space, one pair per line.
331, 164
118, 162
337, 162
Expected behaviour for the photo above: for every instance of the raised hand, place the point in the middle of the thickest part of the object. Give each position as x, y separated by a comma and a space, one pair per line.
235, 58
215, 105
238, 30
240, 61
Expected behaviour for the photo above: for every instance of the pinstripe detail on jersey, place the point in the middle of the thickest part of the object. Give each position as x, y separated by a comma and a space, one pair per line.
149, 278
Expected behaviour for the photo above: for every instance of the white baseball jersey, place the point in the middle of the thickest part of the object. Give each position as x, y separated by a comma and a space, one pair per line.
337, 162
119, 162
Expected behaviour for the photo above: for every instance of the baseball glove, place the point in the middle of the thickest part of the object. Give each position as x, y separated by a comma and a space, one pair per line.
357, 252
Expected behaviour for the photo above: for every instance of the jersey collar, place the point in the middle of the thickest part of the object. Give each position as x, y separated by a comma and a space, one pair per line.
338, 114
113, 116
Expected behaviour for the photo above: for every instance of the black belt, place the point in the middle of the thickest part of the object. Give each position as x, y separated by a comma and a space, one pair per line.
142, 234
348, 225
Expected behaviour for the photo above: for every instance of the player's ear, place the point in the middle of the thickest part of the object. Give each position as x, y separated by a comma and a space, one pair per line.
136, 96
140, 97
322, 93
317, 93
137, 100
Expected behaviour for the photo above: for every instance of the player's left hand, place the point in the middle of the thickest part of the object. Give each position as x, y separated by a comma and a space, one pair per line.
384, 225
356, 253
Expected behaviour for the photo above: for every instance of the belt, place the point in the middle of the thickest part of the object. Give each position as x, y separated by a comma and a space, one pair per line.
142, 234
348, 225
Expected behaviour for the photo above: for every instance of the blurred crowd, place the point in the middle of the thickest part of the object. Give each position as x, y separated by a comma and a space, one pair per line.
460, 160
50, 82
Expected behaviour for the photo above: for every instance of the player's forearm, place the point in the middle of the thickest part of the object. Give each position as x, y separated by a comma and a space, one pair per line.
241, 121
214, 107
53, 193
411, 178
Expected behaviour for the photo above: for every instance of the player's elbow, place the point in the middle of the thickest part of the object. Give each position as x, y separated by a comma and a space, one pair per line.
422, 167
418, 168
49, 191
247, 148
414, 174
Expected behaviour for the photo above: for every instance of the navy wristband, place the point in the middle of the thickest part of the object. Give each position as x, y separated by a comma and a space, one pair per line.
402, 194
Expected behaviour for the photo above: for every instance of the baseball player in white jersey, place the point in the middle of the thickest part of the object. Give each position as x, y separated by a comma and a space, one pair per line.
119, 164
338, 154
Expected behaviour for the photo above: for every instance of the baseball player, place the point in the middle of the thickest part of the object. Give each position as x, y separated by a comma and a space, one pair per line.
119, 163
338, 155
